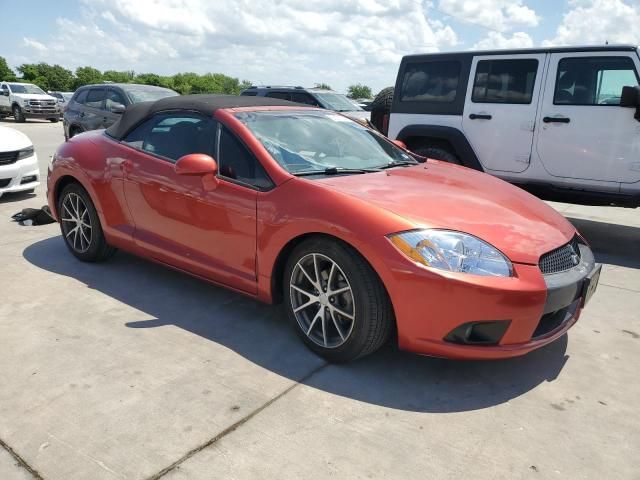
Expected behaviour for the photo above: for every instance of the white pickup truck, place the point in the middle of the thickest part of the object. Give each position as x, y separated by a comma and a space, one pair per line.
25, 100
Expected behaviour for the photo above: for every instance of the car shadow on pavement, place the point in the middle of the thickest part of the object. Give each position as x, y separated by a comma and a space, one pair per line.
611, 243
261, 334
17, 197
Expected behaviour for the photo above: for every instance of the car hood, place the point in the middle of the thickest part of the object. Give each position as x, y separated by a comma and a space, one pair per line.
32, 96
358, 115
439, 195
12, 139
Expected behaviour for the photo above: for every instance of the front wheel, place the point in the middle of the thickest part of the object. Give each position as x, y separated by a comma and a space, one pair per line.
335, 301
80, 225
18, 115
54, 120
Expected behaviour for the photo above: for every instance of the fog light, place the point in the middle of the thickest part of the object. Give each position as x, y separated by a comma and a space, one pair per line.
479, 333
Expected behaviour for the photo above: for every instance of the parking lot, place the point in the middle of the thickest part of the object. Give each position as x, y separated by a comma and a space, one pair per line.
128, 370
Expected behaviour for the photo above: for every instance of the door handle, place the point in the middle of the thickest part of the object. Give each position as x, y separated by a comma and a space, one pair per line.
480, 116
127, 166
81, 114
556, 120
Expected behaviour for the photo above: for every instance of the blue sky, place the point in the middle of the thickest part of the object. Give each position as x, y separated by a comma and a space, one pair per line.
339, 42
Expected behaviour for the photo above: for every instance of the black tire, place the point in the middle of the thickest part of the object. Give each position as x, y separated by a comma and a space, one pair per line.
94, 248
73, 131
372, 314
438, 154
54, 120
18, 115
380, 107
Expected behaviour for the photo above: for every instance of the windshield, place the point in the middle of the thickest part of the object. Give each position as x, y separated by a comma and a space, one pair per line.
25, 88
313, 141
337, 102
138, 95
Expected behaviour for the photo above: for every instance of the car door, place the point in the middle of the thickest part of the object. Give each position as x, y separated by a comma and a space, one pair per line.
5, 101
584, 133
500, 109
91, 115
181, 220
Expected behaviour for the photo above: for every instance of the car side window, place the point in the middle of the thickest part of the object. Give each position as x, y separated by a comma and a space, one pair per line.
280, 95
236, 162
81, 97
505, 81
173, 135
301, 97
435, 82
593, 80
113, 98
95, 96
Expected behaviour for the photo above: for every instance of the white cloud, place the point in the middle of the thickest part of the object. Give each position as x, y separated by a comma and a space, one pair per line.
495, 40
598, 21
31, 43
499, 15
339, 42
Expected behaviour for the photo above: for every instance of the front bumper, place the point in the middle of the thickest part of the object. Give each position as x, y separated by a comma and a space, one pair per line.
19, 176
535, 309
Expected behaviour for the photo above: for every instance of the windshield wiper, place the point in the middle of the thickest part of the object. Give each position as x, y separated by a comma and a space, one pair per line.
399, 163
335, 171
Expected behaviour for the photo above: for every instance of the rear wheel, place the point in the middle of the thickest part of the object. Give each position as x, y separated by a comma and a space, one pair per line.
335, 301
80, 225
18, 115
438, 154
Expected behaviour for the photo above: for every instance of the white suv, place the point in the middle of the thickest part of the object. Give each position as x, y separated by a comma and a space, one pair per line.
25, 100
555, 121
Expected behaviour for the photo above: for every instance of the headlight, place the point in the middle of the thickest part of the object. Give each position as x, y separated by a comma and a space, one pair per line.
452, 251
25, 103
25, 153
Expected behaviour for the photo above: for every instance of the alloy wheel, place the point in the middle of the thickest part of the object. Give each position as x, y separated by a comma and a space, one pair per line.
76, 223
322, 300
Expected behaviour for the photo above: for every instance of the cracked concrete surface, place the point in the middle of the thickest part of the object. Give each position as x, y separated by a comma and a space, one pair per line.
127, 370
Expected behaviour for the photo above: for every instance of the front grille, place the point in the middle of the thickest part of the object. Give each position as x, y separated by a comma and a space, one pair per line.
7, 158
46, 103
561, 259
4, 182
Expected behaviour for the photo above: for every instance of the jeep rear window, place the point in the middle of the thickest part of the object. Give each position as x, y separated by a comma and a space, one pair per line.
435, 82
505, 81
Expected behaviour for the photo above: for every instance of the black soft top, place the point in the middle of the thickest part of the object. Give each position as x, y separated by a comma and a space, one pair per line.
205, 104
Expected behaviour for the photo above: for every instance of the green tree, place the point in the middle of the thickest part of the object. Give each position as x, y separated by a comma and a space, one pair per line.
115, 76
47, 77
87, 76
6, 74
359, 91
323, 86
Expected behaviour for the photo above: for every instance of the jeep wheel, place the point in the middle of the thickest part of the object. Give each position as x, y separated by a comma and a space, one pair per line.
381, 109
437, 154
18, 115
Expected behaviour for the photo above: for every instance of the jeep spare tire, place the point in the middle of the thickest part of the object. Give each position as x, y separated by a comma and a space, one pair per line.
381, 109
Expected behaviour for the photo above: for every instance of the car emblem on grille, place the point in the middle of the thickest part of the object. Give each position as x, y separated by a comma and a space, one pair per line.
575, 259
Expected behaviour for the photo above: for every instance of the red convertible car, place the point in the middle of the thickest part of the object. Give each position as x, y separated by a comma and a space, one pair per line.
362, 240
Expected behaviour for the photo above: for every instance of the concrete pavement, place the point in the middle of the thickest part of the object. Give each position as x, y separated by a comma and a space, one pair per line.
128, 370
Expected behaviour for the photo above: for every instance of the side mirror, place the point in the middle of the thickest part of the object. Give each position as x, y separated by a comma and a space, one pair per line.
630, 97
400, 144
5, 93
196, 164
117, 108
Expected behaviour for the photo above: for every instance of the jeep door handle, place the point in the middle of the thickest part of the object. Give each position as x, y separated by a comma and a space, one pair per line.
556, 120
480, 116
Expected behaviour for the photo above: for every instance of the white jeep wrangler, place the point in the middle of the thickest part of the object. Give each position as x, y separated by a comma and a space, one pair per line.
563, 123
25, 100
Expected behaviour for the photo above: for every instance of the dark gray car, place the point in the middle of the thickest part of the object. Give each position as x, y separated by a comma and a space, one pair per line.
99, 106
